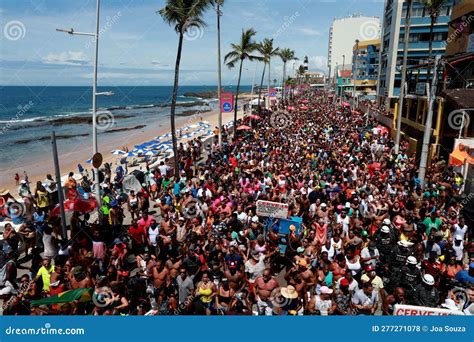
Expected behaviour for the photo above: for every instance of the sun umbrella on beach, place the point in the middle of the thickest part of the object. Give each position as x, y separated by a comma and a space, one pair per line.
151, 153
118, 152
244, 128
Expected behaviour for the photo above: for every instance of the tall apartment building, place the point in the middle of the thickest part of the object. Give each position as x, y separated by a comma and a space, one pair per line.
342, 35
393, 30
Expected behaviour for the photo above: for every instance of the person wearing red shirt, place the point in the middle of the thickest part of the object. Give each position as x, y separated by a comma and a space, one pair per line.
138, 236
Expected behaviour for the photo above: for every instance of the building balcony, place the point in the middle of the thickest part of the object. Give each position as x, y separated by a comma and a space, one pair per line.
423, 45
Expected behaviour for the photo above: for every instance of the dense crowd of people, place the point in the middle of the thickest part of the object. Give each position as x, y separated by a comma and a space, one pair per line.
364, 234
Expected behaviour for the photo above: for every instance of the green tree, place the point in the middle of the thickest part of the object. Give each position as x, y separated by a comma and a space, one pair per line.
182, 15
266, 49
241, 51
286, 55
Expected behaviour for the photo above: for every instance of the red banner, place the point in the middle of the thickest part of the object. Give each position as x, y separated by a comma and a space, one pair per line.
227, 102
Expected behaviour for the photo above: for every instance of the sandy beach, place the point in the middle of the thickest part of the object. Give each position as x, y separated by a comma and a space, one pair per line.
39, 167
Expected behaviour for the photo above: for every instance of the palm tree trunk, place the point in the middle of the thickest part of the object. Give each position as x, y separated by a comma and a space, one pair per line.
237, 99
283, 86
260, 89
173, 108
268, 87
430, 46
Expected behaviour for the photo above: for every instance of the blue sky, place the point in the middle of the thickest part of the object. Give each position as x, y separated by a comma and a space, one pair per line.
138, 48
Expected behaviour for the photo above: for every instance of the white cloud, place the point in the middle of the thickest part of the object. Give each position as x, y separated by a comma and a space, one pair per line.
67, 58
318, 62
310, 32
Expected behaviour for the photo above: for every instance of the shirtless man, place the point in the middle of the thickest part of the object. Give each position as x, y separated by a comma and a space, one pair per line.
79, 279
160, 273
264, 288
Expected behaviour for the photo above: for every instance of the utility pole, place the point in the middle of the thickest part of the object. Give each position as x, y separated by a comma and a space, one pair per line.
404, 72
429, 120
60, 190
219, 68
356, 53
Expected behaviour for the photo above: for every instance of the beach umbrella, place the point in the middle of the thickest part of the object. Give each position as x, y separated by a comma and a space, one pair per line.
130, 154
304, 108
244, 128
151, 153
291, 108
89, 161
118, 152
76, 204
255, 117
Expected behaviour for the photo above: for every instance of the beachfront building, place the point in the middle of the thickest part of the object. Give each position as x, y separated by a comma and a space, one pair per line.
344, 81
457, 133
393, 30
342, 35
415, 107
365, 67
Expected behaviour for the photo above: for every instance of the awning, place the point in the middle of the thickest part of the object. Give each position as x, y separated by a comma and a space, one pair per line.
459, 156
463, 98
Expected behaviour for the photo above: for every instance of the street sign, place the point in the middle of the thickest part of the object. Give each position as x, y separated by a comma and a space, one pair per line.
97, 160
420, 88
227, 102
272, 92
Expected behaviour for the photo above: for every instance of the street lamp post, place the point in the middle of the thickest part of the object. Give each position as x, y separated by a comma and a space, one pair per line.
94, 94
356, 53
219, 80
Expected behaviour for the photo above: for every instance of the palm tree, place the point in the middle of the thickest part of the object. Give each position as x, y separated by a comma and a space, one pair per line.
286, 55
267, 51
182, 14
433, 7
240, 52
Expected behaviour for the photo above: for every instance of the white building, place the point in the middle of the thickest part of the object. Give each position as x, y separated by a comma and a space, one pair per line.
342, 36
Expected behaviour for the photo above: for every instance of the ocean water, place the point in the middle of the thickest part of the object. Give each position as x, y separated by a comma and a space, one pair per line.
29, 114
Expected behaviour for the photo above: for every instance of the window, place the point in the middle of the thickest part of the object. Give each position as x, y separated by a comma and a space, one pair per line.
439, 36
417, 12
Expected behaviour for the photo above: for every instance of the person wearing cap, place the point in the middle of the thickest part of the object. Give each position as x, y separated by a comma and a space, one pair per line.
385, 243
425, 293
371, 276
399, 255
342, 298
408, 277
322, 304
365, 300
458, 247
466, 277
